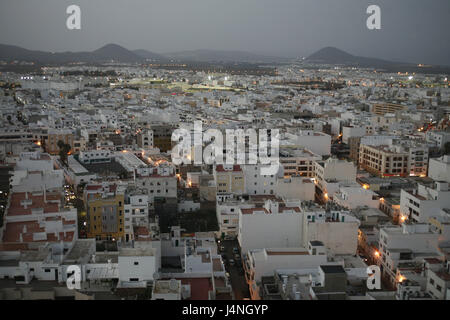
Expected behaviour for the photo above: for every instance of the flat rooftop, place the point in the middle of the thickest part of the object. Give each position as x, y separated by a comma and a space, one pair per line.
133, 252
332, 269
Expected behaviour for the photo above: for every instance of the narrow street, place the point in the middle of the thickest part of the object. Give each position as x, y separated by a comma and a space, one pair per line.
237, 278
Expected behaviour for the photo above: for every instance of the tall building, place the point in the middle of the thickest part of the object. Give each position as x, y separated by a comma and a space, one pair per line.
396, 159
383, 108
54, 136
162, 137
383, 161
229, 179
145, 139
105, 211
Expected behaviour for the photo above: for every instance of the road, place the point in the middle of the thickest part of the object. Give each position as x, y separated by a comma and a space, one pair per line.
238, 283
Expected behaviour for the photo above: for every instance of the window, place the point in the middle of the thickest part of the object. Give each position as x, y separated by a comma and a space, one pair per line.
47, 270
136, 263
439, 288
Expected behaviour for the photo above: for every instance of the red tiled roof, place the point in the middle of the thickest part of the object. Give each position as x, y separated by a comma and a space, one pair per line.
38, 202
14, 229
199, 287
14, 246
433, 260
236, 168
141, 231
93, 187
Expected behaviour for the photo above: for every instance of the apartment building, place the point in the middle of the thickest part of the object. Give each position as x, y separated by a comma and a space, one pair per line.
162, 137
403, 248
261, 263
256, 183
384, 161
329, 174
159, 181
104, 205
145, 139
54, 136
229, 179
275, 224
228, 208
438, 279
354, 196
317, 142
297, 161
13, 135
439, 169
95, 156
383, 108
136, 211
439, 138
295, 187
353, 143
425, 202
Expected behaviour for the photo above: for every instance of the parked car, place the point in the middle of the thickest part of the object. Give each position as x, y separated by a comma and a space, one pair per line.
231, 262
222, 248
237, 256
235, 250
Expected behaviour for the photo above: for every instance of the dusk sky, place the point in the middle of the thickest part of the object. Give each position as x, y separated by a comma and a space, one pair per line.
412, 30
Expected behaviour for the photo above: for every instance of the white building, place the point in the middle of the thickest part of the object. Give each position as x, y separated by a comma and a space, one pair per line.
263, 262
439, 169
401, 246
355, 196
95, 156
317, 142
438, 138
331, 173
295, 187
424, 202
256, 183
271, 226
137, 264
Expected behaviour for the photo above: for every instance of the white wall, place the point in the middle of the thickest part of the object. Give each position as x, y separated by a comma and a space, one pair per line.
144, 271
258, 231
338, 237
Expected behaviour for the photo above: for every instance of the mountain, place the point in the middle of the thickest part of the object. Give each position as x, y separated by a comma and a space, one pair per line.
148, 55
331, 55
10, 53
105, 53
116, 52
205, 55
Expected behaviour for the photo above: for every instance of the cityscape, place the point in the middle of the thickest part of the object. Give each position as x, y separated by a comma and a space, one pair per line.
214, 174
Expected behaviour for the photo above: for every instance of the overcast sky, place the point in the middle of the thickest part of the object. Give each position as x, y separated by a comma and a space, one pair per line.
412, 30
